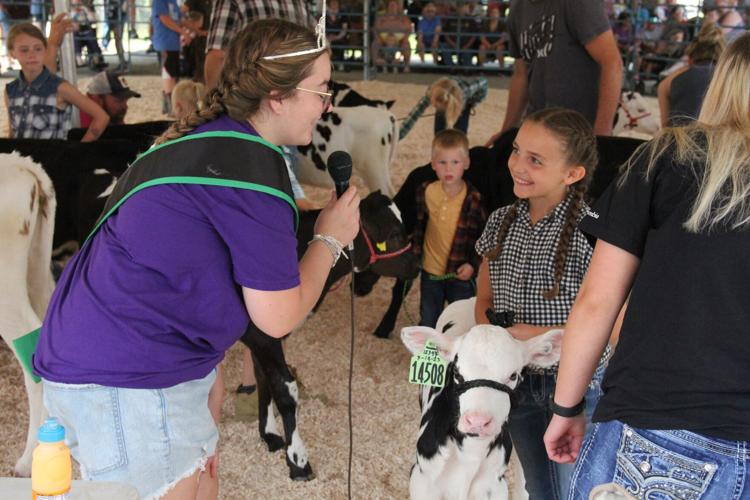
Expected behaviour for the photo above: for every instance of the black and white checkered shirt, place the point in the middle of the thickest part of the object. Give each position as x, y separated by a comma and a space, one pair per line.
228, 17
525, 268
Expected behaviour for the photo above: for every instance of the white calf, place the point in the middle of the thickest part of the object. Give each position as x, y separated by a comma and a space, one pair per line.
27, 214
368, 134
464, 447
635, 117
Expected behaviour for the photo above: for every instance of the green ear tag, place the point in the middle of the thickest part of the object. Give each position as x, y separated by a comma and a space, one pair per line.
427, 367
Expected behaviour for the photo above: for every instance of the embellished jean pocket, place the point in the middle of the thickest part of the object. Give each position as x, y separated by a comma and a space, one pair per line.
647, 470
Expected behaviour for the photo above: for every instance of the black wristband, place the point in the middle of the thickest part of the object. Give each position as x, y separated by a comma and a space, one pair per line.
565, 411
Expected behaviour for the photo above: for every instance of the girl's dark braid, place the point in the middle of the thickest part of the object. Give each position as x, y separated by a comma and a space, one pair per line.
566, 235
502, 232
214, 107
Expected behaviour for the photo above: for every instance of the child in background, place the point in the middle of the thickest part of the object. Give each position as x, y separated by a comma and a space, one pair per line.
453, 100
535, 259
450, 219
192, 46
165, 20
84, 20
187, 98
428, 32
39, 102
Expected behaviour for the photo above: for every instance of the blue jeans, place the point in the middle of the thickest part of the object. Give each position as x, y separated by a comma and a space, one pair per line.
662, 464
434, 294
545, 480
462, 123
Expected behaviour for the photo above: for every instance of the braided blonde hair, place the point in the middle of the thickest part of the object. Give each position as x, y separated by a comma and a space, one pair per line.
579, 145
246, 78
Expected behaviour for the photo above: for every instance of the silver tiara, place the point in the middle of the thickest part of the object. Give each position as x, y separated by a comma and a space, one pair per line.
320, 31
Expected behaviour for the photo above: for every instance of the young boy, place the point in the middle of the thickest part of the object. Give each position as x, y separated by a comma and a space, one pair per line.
450, 219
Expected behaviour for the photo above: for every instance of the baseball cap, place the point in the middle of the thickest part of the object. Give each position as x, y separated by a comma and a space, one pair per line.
109, 82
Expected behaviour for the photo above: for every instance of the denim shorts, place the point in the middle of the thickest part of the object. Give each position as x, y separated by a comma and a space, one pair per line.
661, 464
148, 438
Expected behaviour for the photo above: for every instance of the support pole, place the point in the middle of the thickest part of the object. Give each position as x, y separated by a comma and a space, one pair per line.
67, 56
366, 41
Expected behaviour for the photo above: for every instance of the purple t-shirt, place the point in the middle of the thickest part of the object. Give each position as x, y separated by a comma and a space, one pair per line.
154, 299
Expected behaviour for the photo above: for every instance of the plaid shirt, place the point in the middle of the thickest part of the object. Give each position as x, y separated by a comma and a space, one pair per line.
33, 108
469, 227
229, 16
474, 93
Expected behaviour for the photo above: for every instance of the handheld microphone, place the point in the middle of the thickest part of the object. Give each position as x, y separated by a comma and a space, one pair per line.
340, 169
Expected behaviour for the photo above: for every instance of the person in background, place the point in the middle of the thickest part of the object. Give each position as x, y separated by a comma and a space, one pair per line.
39, 103
111, 92
450, 219
453, 100
390, 35
493, 38
187, 98
228, 17
672, 234
681, 93
459, 35
336, 33
193, 46
554, 38
428, 32
84, 35
165, 19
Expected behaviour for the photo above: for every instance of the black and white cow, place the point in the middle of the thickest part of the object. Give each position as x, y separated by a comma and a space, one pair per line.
368, 134
382, 248
27, 211
464, 446
634, 117
489, 173
345, 96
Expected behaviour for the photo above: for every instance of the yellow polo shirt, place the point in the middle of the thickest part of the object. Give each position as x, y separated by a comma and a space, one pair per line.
443, 213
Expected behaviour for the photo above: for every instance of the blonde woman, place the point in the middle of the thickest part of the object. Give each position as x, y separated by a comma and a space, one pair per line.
673, 235
681, 93
453, 100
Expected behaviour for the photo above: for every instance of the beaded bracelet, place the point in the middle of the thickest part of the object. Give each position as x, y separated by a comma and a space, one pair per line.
334, 246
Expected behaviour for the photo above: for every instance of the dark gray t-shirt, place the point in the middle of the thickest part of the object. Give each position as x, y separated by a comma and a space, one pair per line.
550, 36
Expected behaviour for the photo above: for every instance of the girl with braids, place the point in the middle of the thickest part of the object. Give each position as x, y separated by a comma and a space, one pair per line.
196, 242
534, 262
672, 239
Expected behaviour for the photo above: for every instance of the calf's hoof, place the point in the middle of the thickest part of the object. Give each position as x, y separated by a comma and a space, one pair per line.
297, 473
273, 441
382, 332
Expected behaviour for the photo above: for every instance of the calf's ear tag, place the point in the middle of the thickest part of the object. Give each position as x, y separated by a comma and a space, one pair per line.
381, 246
427, 367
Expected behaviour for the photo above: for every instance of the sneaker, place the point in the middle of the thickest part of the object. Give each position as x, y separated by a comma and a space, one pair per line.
246, 404
133, 34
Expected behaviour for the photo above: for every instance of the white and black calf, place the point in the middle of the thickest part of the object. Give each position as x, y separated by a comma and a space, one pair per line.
386, 254
27, 212
345, 96
634, 118
369, 134
464, 446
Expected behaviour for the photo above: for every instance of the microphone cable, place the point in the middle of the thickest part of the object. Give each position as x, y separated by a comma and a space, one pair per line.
351, 373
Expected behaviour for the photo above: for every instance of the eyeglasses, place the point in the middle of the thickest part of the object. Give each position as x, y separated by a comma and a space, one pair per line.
326, 97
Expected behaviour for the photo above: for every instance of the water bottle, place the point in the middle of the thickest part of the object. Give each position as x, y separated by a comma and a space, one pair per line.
51, 470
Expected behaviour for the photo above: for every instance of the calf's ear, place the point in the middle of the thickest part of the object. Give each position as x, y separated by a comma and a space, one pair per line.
543, 350
415, 338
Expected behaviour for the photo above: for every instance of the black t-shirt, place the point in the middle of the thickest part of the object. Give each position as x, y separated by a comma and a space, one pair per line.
683, 359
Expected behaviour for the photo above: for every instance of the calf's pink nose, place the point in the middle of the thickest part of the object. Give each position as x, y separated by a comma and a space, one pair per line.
476, 422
